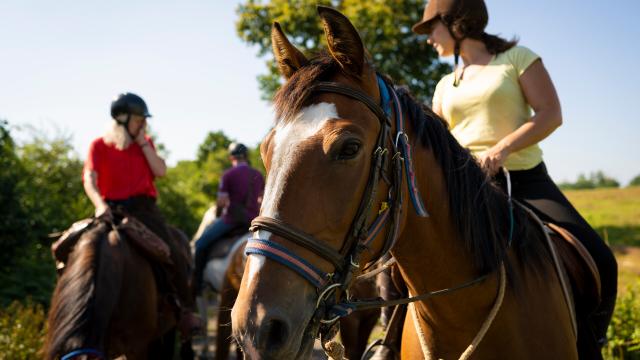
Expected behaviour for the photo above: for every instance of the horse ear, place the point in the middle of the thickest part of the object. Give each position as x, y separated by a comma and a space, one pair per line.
343, 40
288, 57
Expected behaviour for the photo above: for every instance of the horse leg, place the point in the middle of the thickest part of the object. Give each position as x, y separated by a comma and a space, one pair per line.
355, 330
228, 296
186, 350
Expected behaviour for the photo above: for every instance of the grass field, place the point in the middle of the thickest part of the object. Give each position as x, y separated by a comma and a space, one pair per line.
614, 213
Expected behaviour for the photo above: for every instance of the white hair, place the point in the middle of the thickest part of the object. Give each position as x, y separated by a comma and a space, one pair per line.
117, 134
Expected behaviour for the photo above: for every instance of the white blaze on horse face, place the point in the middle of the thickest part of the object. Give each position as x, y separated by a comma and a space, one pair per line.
256, 262
287, 140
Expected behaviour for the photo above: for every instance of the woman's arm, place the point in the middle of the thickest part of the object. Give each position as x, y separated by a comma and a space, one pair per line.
91, 189
436, 102
541, 95
156, 163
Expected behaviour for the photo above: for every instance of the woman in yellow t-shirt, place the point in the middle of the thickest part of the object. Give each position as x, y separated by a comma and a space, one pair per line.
488, 103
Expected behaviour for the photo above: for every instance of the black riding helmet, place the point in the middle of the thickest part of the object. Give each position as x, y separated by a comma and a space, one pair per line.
130, 104
237, 149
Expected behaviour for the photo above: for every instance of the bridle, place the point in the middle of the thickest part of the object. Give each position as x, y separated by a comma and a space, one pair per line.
360, 235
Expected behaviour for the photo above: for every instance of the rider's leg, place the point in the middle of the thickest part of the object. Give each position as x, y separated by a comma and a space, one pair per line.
536, 189
210, 235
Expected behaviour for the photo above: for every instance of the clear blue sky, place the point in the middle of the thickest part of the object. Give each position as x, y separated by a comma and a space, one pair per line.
62, 62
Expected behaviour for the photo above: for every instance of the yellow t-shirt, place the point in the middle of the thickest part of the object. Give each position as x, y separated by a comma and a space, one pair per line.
490, 105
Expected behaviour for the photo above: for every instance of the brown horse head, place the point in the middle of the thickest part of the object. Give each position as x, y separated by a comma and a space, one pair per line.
318, 160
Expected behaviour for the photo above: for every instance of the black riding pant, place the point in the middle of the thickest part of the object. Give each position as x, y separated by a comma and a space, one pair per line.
535, 189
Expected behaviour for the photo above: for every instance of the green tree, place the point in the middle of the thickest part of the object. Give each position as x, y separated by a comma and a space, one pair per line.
14, 221
635, 181
53, 190
180, 196
595, 180
384, 25
190, 187
215, 142
41, 192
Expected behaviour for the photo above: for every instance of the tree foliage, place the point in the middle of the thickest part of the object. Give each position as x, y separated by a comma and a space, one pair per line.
14, 221
40, 193
191, 187
384, 25
595, 180
635, 181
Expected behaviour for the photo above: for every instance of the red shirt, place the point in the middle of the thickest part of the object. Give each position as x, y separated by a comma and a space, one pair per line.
121, 173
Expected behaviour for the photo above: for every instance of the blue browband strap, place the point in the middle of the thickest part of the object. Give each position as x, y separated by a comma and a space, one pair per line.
388, 97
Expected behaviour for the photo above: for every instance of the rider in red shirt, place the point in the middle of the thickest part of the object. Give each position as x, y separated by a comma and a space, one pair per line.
118, 175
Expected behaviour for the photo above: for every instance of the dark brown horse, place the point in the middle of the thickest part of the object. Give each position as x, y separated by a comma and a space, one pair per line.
107, 304
335, 161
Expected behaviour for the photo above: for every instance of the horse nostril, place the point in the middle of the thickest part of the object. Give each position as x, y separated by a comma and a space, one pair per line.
273, 335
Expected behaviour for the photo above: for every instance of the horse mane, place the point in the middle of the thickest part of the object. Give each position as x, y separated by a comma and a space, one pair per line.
479, 208
72, 313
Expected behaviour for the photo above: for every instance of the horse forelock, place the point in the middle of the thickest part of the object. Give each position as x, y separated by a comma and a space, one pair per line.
72, 307
295, 93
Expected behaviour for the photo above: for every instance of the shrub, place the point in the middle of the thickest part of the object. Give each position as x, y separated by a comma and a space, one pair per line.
624, 331
22, 329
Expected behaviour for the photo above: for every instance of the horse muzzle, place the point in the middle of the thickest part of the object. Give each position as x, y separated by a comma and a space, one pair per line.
268, 322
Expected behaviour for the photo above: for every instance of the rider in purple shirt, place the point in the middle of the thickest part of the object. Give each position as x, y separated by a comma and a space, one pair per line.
239, 197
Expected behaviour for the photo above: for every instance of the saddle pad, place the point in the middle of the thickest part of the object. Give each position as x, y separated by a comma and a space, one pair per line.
145, 240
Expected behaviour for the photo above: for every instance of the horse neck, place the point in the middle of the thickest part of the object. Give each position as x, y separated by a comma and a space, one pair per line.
432, 256
77, 318
432, 241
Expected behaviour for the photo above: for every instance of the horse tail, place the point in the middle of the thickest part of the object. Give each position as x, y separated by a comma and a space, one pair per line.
85, 295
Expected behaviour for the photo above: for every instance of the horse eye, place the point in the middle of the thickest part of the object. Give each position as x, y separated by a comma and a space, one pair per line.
349, 150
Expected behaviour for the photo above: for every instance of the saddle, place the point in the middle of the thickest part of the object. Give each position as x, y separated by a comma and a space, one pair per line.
580, 268
578, 273
144, 240
222, 247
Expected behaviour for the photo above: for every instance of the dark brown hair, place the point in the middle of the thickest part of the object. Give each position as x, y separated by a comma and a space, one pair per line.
496, 45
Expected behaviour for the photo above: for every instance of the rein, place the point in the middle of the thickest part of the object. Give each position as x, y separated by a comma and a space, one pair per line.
92, 353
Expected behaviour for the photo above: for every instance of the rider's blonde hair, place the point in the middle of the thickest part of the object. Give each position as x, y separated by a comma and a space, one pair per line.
117, 134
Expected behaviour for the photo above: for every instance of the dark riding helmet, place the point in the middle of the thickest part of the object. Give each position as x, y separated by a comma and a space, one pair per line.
464, 18
237, 149
129, 103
